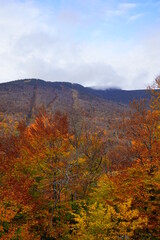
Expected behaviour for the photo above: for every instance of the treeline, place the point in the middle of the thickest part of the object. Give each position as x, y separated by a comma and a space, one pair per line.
59, 179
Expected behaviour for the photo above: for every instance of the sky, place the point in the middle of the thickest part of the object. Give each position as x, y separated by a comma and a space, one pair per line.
96, 43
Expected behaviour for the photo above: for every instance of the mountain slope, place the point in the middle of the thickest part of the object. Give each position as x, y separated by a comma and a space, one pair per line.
25, 97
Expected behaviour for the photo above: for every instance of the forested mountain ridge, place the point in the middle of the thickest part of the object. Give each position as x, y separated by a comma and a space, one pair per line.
111, 94
25, 96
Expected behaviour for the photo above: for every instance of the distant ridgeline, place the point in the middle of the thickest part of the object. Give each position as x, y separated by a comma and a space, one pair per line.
25, 96
111, 94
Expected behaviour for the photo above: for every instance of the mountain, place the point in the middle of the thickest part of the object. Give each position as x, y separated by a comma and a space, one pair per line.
25, 97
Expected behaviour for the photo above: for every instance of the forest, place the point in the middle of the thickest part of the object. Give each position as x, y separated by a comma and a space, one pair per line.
61, 178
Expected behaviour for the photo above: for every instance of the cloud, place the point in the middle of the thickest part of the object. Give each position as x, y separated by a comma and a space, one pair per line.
91, 74
127, 6
121, 9
114, 13
69, 17
136, 16
59, 45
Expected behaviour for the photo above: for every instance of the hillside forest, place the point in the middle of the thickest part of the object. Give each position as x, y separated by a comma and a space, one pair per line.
64, 178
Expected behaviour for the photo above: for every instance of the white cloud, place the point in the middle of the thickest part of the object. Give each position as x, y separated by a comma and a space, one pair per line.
121, 9
42, 43
127, 6
136, 16
114, 13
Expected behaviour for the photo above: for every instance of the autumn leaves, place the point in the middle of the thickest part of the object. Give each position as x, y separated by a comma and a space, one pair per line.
61, 181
